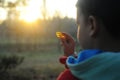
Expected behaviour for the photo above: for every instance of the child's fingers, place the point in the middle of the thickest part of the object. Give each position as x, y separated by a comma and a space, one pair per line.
64, 43
68, 38
67, 35
68, 43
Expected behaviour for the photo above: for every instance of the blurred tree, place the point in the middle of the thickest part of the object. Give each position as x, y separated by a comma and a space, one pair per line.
11, 6
44, 11
1, 3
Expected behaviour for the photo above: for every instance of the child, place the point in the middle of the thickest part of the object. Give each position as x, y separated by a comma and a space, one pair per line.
99, 38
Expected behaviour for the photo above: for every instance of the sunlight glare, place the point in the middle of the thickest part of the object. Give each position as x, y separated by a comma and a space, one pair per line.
32, 11
3, 14
65, 7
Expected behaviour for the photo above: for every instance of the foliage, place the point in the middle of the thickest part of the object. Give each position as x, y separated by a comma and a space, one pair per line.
33, 32
8, 63
36, 65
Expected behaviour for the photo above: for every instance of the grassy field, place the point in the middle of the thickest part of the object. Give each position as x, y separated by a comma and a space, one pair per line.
45, 64
40, 61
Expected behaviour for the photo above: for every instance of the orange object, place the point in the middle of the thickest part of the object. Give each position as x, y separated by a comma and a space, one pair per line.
60, 35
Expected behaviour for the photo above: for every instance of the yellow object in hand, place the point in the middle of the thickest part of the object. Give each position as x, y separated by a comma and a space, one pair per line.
60, 35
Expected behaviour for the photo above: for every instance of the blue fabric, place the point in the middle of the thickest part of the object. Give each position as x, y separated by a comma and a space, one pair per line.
83, 55
97, 66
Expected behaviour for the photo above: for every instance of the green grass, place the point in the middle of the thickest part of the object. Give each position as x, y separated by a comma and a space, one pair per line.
44, 64
41, 60
33, 59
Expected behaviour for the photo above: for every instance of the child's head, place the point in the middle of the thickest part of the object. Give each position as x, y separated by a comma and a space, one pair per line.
97, 19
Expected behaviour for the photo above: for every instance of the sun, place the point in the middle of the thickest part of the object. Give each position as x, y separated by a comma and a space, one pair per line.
31, 12
34, 9
29, 15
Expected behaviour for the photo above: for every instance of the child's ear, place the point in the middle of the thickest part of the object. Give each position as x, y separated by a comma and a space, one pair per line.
93, 26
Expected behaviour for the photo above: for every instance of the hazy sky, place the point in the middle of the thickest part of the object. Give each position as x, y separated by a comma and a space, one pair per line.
32, 11
65, 7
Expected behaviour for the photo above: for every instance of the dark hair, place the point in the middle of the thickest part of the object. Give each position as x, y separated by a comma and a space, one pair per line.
108, 11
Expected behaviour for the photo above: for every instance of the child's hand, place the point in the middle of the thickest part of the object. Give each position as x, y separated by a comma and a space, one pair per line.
68, 43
